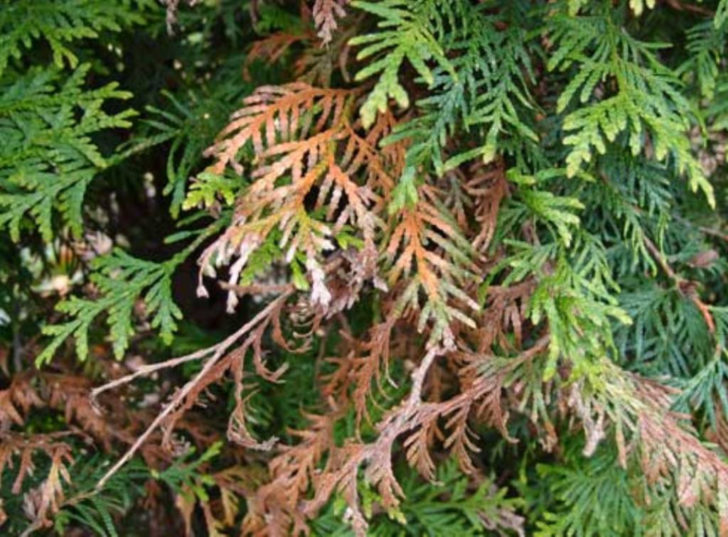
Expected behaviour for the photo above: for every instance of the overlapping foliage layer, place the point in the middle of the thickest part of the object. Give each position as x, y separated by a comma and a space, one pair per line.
397, 267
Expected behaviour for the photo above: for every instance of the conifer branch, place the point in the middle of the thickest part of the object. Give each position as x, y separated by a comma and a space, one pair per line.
215, 353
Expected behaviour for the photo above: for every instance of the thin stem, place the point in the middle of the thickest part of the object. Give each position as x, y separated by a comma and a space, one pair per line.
685, 287
219, 351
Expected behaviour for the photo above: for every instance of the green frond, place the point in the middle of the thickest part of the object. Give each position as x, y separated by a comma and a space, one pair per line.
600, 505
48, 156
121, 281
59, 23
640, 100
482, 92
412, 31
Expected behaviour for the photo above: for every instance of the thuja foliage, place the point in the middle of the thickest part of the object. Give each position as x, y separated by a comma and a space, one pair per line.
359, 267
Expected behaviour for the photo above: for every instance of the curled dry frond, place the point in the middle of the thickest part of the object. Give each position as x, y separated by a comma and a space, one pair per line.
361, 370
315, 65
487, 186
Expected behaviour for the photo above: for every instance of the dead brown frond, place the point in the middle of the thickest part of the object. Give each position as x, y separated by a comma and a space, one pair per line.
307, 151
325, 13
427, 255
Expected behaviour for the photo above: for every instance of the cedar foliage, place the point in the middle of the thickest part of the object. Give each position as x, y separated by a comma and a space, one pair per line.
363, 267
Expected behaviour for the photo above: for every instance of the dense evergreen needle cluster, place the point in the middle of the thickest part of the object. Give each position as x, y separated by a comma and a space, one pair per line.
360, 267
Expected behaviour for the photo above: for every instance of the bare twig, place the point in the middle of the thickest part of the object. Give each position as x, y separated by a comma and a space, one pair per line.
219, 351
151, 368
703, 229
257, 288
683, 6
657, 255
173, 362
686, 287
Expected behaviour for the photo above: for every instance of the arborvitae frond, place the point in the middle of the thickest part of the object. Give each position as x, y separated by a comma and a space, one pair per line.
306, 147
704, 391
668, 336
481, 92
97, 510
426, 253
413, 32
121, 281
706, 43
721, 13
325, 13
594, 497
363, 371
629, 210
636, 96
188, 124
689, 477
48, 158
24, 24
